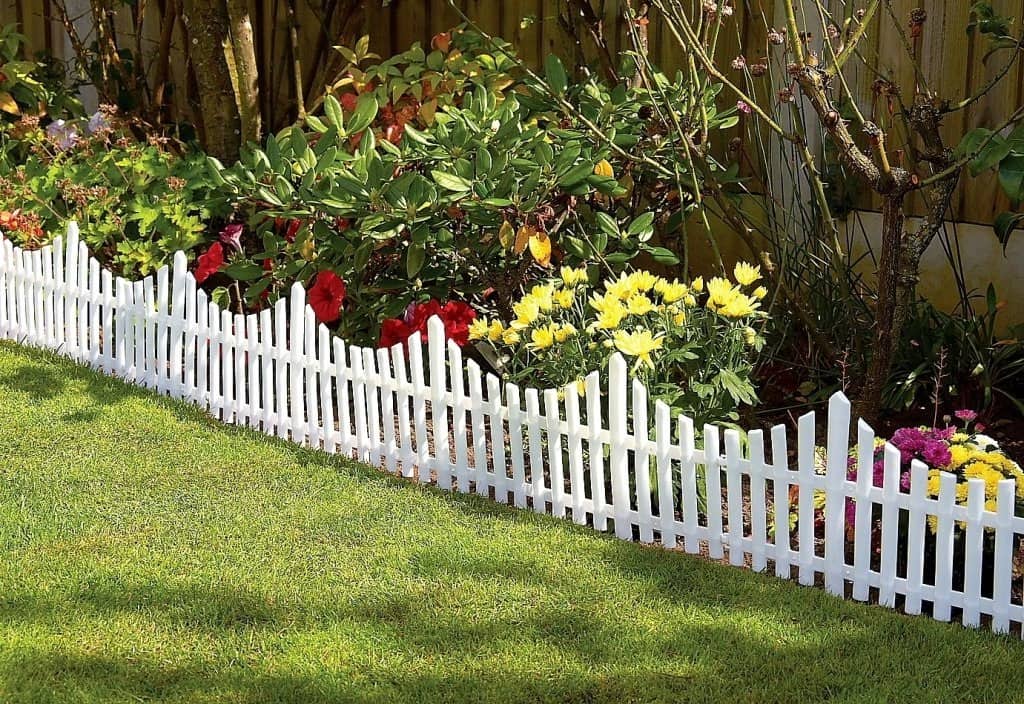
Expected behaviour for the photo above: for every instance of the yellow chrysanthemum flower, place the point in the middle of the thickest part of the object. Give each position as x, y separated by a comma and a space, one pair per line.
746, 274
760, 292
573, 277
542, 338
478, 329
564, 333
670, 292
527, 311
749, 335
697, 284
565, 297
639, 344
495, 331
510, 337
621, 288
610, 318
679, 317
642, 281
639, 304
720, 292
959, 455
543, 296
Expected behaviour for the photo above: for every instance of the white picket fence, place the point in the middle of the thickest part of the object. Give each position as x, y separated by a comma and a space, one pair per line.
437, 418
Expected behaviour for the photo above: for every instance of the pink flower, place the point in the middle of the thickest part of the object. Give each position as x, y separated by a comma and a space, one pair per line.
966, 415
232, 235
743, 107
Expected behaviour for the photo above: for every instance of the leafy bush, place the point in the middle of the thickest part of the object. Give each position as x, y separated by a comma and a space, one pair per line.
693, 346
136, 202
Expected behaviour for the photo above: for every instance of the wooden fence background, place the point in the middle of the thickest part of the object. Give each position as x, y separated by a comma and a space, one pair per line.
952, 63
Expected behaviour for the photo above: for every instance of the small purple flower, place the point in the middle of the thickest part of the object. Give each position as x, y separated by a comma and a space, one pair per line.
743, 107
966, 415
62, 134
936, 453
232, 235
98, 123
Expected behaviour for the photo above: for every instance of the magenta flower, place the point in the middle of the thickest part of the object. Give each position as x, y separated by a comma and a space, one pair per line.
743, 107
966, 415
232, 235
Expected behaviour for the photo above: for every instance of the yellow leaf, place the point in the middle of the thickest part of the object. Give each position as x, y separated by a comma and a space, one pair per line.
427, 111
540, 248
506, 235
603, 168
523, 238
8, 105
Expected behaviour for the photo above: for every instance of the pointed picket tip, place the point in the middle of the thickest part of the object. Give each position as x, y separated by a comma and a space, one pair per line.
180, 262
73, 230
298, 290
863, 427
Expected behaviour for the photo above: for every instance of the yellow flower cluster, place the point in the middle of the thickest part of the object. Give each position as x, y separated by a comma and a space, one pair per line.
969, 459
729, 300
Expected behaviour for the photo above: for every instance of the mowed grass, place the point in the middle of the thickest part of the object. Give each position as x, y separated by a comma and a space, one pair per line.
149, 554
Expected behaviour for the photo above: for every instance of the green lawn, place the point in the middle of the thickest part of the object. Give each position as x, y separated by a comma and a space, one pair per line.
149, 554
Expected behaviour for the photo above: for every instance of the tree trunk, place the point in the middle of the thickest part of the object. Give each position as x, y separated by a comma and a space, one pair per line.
207, 22
246, 69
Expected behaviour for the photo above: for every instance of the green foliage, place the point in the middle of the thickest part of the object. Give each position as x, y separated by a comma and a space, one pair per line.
446, 175
30, 87
136, 202
963, 358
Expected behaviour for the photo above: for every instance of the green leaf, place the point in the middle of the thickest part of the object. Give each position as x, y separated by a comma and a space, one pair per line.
990, 155
642, 227
1011, 176
332, 109
414, 259
362, 116
1004, 226
451, 182
555, 72
607, 224
662, 255
244, 271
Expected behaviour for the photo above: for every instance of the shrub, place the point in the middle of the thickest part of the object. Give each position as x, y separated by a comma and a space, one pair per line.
693, 345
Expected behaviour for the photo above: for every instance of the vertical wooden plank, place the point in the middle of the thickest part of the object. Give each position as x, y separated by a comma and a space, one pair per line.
554, 435
974, 550
326, 371
458, 376
758, 502
502, 481
296, 357
267, 370
595, 445
372, 390
642, 462
1002, 576
404, 398
421, 393
439, 401
534, 429
515, 440
863, 511
836, 458
663, 463
617, 462
805, 510
254, 382
227, 367
734, 496
944, 547
311, 368
342, 381
280, 354
688, 484
780, 496
713, 491
577, 485
890, 525
476, 404
916, 536
387, 417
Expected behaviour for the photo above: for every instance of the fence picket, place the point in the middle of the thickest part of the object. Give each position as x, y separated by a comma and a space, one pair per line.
805, 502
862, 511
642, 463
780, 494
281, 371
734, 496
944, 547
758, 502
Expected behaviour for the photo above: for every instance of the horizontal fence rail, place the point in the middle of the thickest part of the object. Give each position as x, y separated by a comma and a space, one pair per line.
591, 454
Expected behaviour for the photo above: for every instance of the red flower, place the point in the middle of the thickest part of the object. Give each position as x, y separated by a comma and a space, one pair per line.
457, 316
394, 331
209, 263
417, 315
342, 224
349, 101
327, 296
293, 227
